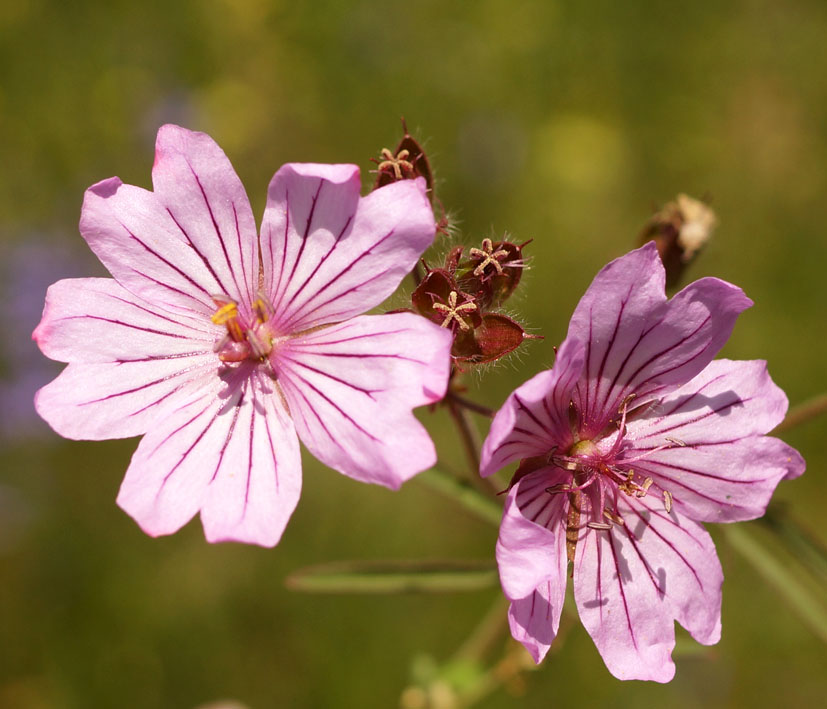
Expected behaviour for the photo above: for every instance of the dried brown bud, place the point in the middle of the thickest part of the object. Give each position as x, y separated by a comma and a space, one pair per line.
680, 230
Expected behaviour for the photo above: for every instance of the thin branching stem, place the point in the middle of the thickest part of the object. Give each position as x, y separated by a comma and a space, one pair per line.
471, 405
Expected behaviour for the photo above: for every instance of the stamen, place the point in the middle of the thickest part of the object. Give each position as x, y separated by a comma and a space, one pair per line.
560, 487
667, 501
625, 403
644, 488
225, 313
598, 525
259, 347
621, 429
263, 308
612, 517
676, 441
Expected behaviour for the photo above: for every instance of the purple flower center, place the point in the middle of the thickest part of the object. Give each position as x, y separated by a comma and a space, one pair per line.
597, 469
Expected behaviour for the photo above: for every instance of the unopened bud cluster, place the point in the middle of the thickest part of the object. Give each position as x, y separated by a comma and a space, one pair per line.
467, 293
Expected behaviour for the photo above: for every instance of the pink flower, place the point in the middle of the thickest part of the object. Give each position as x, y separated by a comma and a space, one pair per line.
225, 348
633, 438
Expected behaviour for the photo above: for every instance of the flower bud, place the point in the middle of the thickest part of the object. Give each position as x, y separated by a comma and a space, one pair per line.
680, 230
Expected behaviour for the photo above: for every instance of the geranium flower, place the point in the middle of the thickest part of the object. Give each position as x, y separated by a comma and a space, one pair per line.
633, 438
222, 346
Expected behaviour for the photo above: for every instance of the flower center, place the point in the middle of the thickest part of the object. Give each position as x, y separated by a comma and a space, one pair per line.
248, 336
597, 469
583, 449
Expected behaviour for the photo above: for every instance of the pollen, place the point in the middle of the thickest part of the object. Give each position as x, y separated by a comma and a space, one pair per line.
227, 312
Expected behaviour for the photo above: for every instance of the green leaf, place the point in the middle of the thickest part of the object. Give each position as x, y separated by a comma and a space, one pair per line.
439, 576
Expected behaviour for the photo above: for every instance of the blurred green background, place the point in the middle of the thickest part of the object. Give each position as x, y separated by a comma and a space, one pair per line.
559, 121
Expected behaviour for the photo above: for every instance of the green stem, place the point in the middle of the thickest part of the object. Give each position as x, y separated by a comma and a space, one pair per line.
462, 492
803, 413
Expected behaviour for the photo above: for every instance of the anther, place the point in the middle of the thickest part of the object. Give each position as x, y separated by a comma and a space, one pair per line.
625, 403
225, 313
263, 308
560, 487
644, 488
612, 517
667, 501
598, 525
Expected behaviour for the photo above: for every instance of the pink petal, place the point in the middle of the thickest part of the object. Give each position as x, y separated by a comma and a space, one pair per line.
727, 401
531, 556
329, 255
725, 481
253, 494
633, 581
201, 192
140, 244
100, 400
534, 620
97, 320
235, 458
534, 418
531, 548
637, 342
351, 388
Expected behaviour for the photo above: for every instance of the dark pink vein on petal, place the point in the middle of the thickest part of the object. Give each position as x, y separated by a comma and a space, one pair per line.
198, 252
145, 386
330, 401
318, 341
217, 230
298, 314
236, 413
368, 392
302, 246
322, 260
150, 330
272, 449
628, 357
668, 543
171, 265
622, 591
170, 319
189, 450
660, 354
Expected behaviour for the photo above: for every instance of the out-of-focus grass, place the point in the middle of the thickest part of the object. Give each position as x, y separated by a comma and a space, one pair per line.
562, 122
